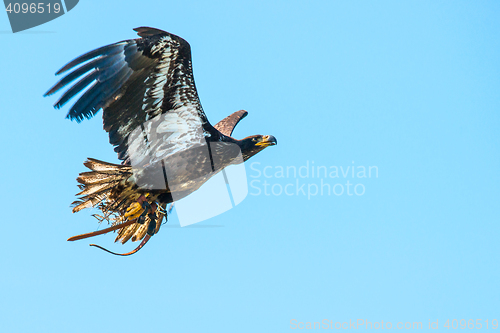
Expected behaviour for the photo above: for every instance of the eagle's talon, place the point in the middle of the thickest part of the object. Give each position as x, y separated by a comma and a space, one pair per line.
147, 207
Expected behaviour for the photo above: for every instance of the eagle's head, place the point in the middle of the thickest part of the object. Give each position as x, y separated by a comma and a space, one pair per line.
251, 145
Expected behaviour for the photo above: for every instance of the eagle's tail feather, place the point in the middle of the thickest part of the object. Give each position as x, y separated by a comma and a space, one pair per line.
97, 165
107, 186
97, 185
101, 232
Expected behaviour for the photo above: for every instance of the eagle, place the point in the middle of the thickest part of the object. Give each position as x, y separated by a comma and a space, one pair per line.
153, 116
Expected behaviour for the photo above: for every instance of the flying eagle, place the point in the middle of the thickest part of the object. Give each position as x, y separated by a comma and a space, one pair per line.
154, 118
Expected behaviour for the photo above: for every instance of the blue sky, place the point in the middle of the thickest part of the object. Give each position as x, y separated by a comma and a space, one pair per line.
408, 87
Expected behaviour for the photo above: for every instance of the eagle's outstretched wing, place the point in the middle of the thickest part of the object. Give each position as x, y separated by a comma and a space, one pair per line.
226, 126
146, 88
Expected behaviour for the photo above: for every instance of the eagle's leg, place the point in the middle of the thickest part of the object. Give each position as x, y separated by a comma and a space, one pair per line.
139, 209
152, 224
146, 207
152, 219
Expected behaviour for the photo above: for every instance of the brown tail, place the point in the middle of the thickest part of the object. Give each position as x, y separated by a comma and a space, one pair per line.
97, 185
107, 187
101, 232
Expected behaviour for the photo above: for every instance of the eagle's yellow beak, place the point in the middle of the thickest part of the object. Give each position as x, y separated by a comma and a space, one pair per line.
267, 140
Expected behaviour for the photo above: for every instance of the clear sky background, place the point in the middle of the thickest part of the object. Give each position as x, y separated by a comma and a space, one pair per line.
410, 87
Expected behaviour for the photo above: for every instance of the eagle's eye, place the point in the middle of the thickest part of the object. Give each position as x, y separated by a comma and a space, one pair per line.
254, 139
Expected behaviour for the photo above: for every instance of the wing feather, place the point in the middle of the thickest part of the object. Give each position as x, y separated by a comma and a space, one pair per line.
107, 50
226, 126
136, 83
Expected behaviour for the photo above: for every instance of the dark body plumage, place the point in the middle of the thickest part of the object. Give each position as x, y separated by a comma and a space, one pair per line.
154, 118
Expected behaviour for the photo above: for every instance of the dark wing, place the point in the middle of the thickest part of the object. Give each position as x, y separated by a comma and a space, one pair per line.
226, 126
146, 89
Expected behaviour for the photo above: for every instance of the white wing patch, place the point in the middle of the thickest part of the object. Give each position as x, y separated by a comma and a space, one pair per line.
154, 95
164, 135
167, 130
